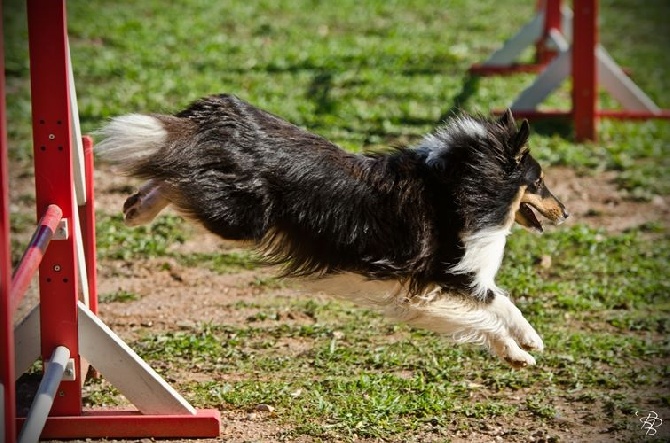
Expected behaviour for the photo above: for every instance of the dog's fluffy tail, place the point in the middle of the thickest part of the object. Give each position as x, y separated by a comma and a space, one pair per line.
132, 141
131, 138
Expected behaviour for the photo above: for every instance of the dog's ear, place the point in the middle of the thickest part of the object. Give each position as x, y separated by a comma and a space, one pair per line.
507, 120
522, 134
520, 142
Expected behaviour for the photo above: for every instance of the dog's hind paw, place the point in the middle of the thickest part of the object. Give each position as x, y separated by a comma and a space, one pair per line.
131, 210
143, 206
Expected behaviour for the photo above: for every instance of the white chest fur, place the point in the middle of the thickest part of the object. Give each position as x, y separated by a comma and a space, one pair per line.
482, 258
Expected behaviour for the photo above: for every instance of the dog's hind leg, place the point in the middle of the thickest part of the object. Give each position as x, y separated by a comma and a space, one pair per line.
143, 206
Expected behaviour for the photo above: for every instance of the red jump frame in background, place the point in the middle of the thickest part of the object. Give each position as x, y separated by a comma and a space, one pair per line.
584, 60
63, 328
543, 31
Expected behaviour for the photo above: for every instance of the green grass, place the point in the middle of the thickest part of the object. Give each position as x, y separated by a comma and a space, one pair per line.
119, 296
369, 75
361, 376
114, 240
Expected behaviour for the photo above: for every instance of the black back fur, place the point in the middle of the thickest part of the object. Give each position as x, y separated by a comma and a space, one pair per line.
309, 205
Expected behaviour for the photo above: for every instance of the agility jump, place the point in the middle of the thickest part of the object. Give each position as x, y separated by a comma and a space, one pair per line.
565, 39
63, 329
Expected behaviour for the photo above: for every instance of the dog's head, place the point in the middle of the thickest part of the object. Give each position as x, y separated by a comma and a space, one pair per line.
534, 193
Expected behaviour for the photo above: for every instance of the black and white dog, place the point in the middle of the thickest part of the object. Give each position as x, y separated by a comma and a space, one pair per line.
431, 219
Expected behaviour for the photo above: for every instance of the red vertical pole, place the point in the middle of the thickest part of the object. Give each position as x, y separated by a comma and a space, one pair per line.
584, 69
552, 22
87, 219
52, 144
7, 386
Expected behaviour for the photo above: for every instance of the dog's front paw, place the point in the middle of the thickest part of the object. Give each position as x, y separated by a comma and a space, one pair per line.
512, 354
531, 341
525, 335
518, 327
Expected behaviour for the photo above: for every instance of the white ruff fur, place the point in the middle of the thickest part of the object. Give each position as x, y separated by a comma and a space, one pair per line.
439, 141
470, 126
129, 138
483, 256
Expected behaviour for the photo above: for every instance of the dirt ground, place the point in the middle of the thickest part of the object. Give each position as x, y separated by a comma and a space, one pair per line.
172, 297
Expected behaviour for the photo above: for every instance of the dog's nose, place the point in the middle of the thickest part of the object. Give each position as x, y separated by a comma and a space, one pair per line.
564, 215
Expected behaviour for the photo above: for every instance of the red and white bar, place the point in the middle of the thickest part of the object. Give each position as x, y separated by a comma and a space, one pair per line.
32, 257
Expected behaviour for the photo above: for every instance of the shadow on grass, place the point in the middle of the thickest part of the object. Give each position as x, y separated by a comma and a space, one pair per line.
469, 88
554, 126
547, 126
320, 92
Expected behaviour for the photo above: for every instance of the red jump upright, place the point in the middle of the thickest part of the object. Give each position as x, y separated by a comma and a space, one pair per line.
7, 387
544, 31
63, 330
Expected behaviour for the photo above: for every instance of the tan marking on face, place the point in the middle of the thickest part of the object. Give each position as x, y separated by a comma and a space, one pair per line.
514, 209
549, 207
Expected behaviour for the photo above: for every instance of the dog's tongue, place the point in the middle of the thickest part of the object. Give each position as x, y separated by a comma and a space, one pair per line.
529, 215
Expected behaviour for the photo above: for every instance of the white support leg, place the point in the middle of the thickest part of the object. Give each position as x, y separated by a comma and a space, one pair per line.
81, 259
620, 86
566, 22
44, 399
527, 36
115, 360
545, 83
122, 367
27, 341
78, 168
514, 46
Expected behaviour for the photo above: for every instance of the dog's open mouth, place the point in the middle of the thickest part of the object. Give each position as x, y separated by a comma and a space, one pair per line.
525, 216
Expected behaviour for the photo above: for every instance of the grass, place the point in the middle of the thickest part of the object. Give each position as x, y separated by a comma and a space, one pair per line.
360, 376
368, 75
116, 241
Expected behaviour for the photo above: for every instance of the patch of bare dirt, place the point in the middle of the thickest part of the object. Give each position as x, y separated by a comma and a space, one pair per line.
594, 200
170, 299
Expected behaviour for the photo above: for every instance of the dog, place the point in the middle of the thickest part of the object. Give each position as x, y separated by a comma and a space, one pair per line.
429, 221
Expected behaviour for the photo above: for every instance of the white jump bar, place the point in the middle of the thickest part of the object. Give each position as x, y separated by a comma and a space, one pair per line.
44, 399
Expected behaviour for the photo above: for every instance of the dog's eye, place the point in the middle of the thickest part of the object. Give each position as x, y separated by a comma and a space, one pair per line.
538, 183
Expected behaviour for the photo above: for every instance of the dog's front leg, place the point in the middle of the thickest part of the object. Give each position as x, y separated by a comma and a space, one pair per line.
522, 331
498, 324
